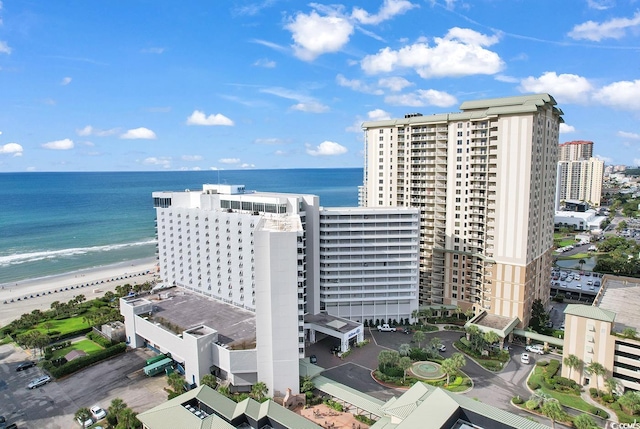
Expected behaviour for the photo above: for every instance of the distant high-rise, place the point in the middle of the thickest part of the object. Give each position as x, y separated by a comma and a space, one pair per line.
580, 181
484, 181
579, 150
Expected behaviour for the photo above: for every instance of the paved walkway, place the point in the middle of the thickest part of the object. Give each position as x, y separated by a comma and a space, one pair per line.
589, 400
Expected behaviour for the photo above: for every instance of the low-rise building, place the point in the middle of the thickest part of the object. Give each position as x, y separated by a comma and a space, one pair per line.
606, 333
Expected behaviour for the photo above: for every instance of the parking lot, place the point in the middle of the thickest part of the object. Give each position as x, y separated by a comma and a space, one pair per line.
53, 405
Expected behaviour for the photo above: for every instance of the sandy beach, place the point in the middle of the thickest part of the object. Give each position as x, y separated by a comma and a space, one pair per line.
91, 283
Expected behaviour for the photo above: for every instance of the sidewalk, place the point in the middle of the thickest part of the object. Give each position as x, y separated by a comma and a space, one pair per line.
587, 398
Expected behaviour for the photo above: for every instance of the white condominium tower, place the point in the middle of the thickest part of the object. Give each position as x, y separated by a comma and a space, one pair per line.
484, 181
581, 181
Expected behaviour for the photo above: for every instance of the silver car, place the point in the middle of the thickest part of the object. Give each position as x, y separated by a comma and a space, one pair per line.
40, 381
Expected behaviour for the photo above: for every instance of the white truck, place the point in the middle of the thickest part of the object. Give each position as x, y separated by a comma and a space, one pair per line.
386, 328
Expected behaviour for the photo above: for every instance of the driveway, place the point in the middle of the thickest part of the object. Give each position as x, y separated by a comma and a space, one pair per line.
52, 406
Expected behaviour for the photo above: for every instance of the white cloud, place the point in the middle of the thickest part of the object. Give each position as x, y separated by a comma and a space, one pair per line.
4, 47
506, 79
154, 50
605, 159
141, 133
263, 62
164, 162
388, 10
200, 118
270, 45
245, 165
601, 4
281, 153
565, 88
64, 144
326, 148
421, 97
90, 131
357, 85
620, 95
378, 115
311, 107
627, 135
565, 129
615, 28
13, 149
460, 53
314, 35
191, 158
229, 160
394, 83
269, 141
65, 81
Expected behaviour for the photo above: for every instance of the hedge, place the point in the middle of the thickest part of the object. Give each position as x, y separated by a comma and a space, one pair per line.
99, 339
83, 331
82, 362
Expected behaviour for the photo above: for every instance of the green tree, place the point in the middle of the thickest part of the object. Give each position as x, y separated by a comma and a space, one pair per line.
539, 316
435, 343
209, 380
449, 368
387, 357
630, 402
176, 382
476, 339
224, 390
259, 391
116, 407
581, 263
459, 360
629, 332
469, 313
404, 363
621, 225
553, 410
306, 384
419, 337
611, 385
82, 415
128, 420
404, 349
596, 369
572, 362
415, 316
491, 337
584, 421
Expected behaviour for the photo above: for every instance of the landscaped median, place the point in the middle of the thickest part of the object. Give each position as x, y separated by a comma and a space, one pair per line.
548, 387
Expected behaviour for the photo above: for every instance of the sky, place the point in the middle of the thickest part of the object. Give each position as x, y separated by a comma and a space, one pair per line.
156, 85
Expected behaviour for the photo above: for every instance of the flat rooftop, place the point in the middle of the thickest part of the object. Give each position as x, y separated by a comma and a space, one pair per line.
337, 324
622, 296
188, 310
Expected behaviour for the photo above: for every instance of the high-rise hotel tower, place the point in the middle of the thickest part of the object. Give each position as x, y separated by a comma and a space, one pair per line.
484, 181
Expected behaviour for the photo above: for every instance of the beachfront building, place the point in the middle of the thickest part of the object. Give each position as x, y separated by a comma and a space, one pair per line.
369, 262
580, 180
607, 333
484, 182
253, 260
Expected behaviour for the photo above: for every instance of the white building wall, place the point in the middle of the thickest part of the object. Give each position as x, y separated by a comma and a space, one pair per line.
277, 304
369, 261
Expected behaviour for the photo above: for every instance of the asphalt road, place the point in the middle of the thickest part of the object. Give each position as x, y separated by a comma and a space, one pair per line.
52, 406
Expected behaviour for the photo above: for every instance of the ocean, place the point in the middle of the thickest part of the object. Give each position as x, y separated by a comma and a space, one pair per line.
54, 223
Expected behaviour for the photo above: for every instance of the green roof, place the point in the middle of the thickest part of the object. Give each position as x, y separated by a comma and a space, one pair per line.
172, 414
539, 337
433, 407
590, 312
352, 396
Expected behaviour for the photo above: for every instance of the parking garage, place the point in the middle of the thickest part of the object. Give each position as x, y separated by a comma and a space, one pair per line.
575, 285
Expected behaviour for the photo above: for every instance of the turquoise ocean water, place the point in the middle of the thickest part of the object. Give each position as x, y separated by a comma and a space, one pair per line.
53, 223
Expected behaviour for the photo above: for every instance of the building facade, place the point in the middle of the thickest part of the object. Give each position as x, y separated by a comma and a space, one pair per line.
580, 180
484, 182
369, 261
578, 150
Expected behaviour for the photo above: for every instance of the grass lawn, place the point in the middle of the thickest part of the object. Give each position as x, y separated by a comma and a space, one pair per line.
581, 255
567, 399
63, 326
87, 345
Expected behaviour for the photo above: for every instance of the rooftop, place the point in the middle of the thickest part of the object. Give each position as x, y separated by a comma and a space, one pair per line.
621, 295
189, 310
501, 325
331, 322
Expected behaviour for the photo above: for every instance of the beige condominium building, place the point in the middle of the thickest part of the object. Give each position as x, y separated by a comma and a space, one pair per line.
484, 181
606, 332
577, 150
580, 180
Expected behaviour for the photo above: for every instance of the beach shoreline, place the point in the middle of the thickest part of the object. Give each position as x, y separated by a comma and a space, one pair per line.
18, 298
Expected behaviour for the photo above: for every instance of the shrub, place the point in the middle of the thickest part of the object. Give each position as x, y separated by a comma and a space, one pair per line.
531, 404
608, 398
534, 386
99, 339
542, 363
593, 392
393, 371
616, 407
517, 400
563, 381
79, 363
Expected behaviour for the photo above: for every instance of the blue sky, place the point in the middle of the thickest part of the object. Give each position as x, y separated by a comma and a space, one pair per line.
166, 85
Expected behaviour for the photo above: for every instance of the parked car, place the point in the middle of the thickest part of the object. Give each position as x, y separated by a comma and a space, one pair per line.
535, 349
386, 328
442, 348
524, 358
86, 423
24, 365
98, 412
40, 381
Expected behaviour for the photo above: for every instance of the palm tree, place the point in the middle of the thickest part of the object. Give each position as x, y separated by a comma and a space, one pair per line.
584, 421
128, 420
581, 263
224, 390
597, 369
82, 415
491, 337
459, 360
611, 384
116, 407
552, 409
404, 349
419, 337
176, 382
572, 362
405, 364
449, 367
435, 343
415, 315
209, 380
259, 391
